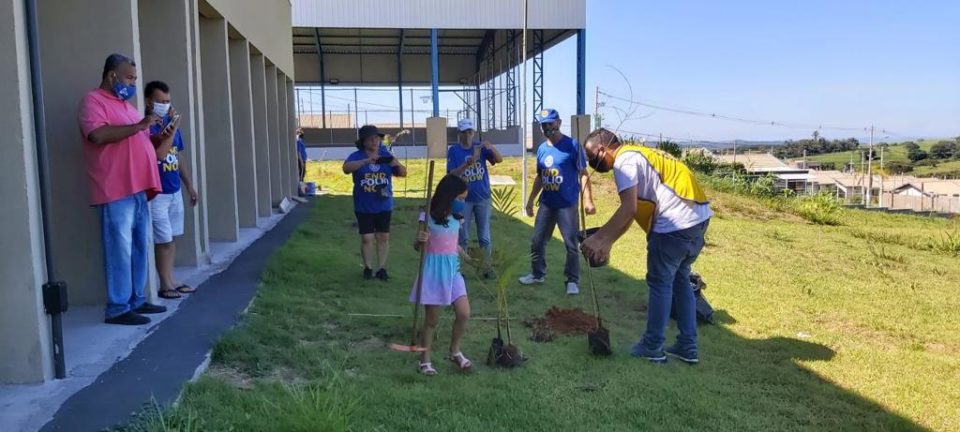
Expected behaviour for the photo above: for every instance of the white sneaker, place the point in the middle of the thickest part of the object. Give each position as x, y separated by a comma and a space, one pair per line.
530, 279
572, 288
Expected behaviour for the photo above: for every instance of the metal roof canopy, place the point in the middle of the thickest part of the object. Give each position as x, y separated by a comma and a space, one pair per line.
378, 56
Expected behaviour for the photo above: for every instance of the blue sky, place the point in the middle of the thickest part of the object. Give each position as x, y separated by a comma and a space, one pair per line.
895, 64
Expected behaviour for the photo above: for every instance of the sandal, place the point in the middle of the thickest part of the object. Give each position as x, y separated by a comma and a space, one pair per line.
170, 294
427, 369
462, 362
186, 289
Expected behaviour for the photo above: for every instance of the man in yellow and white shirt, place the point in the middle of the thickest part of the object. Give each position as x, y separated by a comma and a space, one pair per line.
662, 195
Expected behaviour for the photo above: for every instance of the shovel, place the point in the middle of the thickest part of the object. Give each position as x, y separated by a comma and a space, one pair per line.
413, 347
598, 339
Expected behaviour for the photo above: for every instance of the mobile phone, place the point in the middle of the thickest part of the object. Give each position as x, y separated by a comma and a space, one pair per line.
385, 159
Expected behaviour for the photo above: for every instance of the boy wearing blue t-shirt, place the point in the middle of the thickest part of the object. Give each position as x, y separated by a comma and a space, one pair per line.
468, 159
561, 172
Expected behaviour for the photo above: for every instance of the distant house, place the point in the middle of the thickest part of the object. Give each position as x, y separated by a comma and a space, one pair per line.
760, 164
927, 195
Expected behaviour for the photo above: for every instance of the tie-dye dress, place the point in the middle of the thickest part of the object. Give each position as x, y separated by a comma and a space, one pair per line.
442, 281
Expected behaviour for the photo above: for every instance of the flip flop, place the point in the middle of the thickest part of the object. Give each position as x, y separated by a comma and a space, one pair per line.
169, 294
186, 289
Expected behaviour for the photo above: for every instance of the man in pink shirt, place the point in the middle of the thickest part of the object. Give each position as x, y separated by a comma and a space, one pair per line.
121, 168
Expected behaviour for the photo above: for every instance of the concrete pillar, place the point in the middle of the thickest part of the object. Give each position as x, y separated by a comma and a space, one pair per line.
24, 331
243, 132
170, 59
261, 134
292, 129
580, 127
199, 160
436, 137
221, 194
283, 134
71, 43
273, 119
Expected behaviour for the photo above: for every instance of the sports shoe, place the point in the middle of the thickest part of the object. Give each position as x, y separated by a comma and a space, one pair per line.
148, 308
688, 356
129, 318
530, 279
382, 275
367, 273
654, 356
572, 288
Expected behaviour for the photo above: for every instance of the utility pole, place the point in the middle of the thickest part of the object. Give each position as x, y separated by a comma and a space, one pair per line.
356, 118
881, 177
870, 169
596, 108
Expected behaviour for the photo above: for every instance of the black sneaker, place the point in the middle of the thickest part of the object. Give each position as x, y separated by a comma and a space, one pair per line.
129, 318
382, 275
148, 308
367, 273
688, 356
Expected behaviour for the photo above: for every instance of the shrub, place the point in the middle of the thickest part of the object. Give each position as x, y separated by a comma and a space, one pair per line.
821, 209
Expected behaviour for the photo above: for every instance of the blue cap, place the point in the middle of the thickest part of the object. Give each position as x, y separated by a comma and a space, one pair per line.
548, 116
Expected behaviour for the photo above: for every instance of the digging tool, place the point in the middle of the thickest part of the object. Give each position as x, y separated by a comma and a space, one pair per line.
413, 347
598, 339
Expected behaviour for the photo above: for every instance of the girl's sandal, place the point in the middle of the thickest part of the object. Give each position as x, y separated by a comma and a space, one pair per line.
169, 294
462, 362
427, 369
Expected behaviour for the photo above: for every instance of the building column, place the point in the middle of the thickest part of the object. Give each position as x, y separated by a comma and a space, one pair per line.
26, 356
199, 160
581, 71
221, 195
261, 135
71, 43
273, 119
435, 71
292, 136
243, 132
283, 135
170, 59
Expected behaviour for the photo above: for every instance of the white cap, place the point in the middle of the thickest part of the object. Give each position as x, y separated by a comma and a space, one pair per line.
465, 124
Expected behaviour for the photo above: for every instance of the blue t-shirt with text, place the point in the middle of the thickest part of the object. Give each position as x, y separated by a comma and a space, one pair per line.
372, 185
169, 166
476, 176
559, 166
301, 150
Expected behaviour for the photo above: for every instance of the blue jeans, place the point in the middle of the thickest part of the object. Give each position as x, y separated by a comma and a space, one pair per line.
478, 212
125, 225
669, 257
569, 221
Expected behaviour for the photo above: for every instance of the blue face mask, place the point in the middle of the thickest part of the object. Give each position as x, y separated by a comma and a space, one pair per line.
122, 91
458, 206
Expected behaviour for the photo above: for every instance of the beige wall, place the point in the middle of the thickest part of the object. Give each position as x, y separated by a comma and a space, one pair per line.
243, 133
266, 24
24, 331
261, 135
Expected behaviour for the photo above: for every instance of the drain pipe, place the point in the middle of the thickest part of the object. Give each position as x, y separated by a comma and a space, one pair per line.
54, 291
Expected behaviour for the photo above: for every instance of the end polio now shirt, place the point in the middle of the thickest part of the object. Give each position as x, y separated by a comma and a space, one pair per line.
559, 166
476, 176
372, 185
169, 166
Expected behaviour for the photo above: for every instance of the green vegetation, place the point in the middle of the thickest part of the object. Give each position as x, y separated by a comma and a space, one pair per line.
925, 158
822, 327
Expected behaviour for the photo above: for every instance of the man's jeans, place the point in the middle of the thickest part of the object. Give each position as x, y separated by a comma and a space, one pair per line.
669, 257
126, 225
478, 212
569, 220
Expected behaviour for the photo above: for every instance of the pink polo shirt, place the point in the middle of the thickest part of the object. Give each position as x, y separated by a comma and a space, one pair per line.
119, 169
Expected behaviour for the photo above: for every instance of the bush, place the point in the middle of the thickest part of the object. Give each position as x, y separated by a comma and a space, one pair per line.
897, 167
821, 209
701, 162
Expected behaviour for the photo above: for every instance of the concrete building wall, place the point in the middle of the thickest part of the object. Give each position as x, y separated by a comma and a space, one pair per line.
273, 120
243, 132
199, 162
292, 136
75, 226
265, 23
24, 330
170, 59
261, 134
221, 194
283, 135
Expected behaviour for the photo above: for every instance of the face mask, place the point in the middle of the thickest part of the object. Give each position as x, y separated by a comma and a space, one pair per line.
603, 162
122, 91
548, 131
161, 109
458, 206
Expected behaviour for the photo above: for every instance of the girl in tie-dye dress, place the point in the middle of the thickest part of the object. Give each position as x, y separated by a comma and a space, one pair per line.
443, 284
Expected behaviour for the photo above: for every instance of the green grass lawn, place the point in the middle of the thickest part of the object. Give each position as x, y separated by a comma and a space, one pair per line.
850, 327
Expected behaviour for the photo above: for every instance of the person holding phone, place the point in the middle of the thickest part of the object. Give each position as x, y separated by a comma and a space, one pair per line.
166, 209
373, 167
468, 159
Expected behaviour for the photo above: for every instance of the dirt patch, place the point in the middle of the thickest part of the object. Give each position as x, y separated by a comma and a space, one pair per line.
562, 321
233, 376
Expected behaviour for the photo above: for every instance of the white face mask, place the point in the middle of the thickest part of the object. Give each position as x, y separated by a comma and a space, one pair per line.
161, 109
